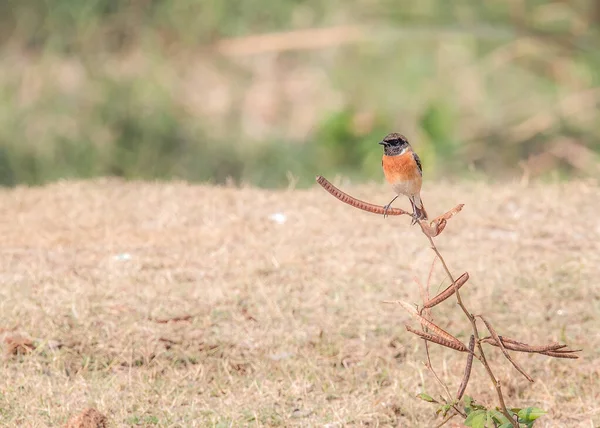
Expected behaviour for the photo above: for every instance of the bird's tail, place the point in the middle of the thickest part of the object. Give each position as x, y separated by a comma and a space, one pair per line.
418, 208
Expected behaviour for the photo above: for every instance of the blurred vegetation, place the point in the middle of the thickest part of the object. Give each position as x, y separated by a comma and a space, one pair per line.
159, 89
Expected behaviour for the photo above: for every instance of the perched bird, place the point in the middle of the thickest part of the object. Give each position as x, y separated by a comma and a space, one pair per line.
402, 169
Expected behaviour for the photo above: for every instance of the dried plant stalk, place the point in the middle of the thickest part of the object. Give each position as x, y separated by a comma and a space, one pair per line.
440, 336
504, 351
438, 331
468, 367
458, 346
473, 322
446, 420
356, 203
447, 292
424, 291
434, 228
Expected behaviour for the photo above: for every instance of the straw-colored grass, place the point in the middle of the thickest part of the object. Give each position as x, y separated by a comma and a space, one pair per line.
184, 305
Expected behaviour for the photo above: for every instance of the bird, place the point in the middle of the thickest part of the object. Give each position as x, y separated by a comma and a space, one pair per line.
402, 169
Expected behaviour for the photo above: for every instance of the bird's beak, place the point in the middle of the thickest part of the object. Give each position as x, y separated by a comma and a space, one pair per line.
382, 143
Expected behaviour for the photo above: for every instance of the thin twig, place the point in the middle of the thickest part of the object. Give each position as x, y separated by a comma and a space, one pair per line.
430, 276
427, 314
442, 384
504, 351
430, 230
447, 419
434, 228
424, 291
430, 368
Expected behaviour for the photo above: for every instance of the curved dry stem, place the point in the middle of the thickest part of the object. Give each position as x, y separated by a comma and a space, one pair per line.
442, 384
504, 351
424, 291
441, 337
434, 228
446, 420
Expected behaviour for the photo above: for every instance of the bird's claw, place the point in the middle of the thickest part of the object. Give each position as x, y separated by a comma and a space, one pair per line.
415, 219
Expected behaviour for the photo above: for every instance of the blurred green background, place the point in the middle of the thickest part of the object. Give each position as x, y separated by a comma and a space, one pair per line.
273, 92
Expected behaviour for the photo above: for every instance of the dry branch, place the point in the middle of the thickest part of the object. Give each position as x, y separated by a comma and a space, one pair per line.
504, 351
434, 228
424, 291
435, 334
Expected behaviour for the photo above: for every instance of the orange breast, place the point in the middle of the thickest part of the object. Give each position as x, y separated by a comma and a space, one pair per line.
402, 173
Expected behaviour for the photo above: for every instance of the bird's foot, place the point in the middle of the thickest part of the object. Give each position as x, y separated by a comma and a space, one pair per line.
388, 206
415, 219
385, 210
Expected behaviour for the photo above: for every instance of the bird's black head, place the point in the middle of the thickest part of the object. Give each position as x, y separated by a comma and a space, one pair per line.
394, 144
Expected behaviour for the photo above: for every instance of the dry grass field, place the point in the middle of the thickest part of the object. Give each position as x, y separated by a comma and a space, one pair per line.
169, 304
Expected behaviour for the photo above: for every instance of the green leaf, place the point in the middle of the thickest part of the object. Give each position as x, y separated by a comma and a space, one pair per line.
499, 416
476, 419
506, 425
426, 397
530, 414
468, 400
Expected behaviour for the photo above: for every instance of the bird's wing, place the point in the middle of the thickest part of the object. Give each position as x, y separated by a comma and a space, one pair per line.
418, 161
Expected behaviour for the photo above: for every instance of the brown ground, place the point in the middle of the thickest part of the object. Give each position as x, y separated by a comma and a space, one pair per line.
181, 305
